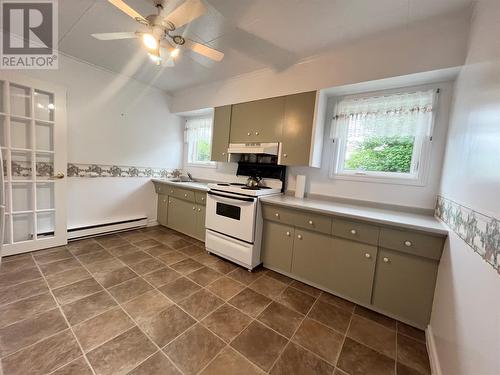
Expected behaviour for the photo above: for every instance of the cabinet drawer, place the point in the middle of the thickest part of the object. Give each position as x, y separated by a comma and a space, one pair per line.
200, 198
355, 231
314, 222
187, 195
279, 214
412, 243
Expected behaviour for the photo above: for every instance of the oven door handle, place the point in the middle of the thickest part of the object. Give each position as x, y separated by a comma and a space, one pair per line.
231, 197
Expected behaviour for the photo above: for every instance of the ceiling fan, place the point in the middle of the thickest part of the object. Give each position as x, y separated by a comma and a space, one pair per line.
161, 41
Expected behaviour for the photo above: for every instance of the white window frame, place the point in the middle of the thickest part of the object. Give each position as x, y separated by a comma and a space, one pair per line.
420, 157
187, 163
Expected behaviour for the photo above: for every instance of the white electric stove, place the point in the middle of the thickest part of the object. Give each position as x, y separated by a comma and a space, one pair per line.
234, 221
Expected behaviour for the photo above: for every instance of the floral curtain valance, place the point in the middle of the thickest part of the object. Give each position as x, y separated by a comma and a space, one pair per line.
198, 128
402, 114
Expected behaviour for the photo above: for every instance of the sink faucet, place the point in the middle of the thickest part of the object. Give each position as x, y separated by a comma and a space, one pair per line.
190, 176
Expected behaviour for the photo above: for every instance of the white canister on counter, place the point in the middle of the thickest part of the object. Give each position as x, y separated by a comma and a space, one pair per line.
300, 186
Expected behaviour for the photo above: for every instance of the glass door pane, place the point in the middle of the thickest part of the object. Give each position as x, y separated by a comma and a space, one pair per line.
20, 101
44, 106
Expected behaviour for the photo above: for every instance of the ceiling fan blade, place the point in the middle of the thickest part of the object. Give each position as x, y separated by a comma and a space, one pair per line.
115, 36
128, 10
204, 50
186, 12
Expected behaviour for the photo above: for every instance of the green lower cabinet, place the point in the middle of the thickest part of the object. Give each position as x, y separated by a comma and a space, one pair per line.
404, 285
352, 267
312, 256
182, 216
162, 212
200, 222
277, 246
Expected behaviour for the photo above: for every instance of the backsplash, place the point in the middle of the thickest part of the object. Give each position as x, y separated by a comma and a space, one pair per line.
481, 232
99, 170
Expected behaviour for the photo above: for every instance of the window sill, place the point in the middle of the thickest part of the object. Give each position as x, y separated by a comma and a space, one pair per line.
379, 179
211, 165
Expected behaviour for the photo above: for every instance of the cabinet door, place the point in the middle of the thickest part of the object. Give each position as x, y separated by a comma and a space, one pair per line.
220, 133
312, 256
182, 216
277, 245
200, 222
352, 269
404, 285
297, 128
162, 209
257, 121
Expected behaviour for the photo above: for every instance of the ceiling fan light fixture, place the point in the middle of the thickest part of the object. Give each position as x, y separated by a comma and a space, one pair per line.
149, 41
154, 58
174, 53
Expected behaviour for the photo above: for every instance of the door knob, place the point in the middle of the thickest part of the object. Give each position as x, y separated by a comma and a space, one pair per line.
58, 176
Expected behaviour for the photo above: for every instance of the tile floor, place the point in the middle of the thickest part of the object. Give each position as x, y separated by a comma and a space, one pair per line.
152, 301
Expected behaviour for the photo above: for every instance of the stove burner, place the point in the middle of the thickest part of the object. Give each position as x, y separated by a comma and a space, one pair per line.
236, 184
222, 184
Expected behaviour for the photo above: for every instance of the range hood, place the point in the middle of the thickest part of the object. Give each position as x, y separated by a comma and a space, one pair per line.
254, 148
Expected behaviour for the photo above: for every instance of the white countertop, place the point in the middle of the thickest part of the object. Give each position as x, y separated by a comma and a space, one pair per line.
407, 220
200, 186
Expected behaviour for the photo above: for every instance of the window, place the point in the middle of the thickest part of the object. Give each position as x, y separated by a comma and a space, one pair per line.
198, 135
384, 137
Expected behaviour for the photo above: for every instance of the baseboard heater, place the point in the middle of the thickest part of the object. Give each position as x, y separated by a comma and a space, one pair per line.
106, 228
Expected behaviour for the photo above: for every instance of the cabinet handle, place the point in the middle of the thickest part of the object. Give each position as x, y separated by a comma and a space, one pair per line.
202, 199
199, 209
311, 222
408, 243
299, 236
171, 191
277, 214
285, 155
185, 195
386, 260
223, 153
354, 232
194, 208
249, 133
288, 234
256, 133
368, 256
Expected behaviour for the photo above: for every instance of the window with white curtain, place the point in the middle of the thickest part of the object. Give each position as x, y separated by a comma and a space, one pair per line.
384, 136
198, 137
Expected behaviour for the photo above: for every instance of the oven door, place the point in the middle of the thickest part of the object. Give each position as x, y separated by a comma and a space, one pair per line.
231, 214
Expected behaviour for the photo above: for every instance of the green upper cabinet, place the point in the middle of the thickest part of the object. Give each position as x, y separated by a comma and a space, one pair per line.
297, 128
220, 133
257, 121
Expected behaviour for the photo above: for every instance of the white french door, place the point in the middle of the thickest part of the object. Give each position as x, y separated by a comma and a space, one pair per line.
33, 144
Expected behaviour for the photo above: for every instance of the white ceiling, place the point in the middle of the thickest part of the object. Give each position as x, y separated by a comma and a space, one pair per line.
253, 34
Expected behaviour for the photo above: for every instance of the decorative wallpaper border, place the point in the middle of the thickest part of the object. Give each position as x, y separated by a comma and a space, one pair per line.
99, 170
481, 232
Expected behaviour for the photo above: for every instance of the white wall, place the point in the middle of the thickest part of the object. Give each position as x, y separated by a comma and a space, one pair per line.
466, 313
113, 120
430, 46
434, 44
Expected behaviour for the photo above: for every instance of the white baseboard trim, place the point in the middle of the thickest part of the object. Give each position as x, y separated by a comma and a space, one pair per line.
153, 223
432, 350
